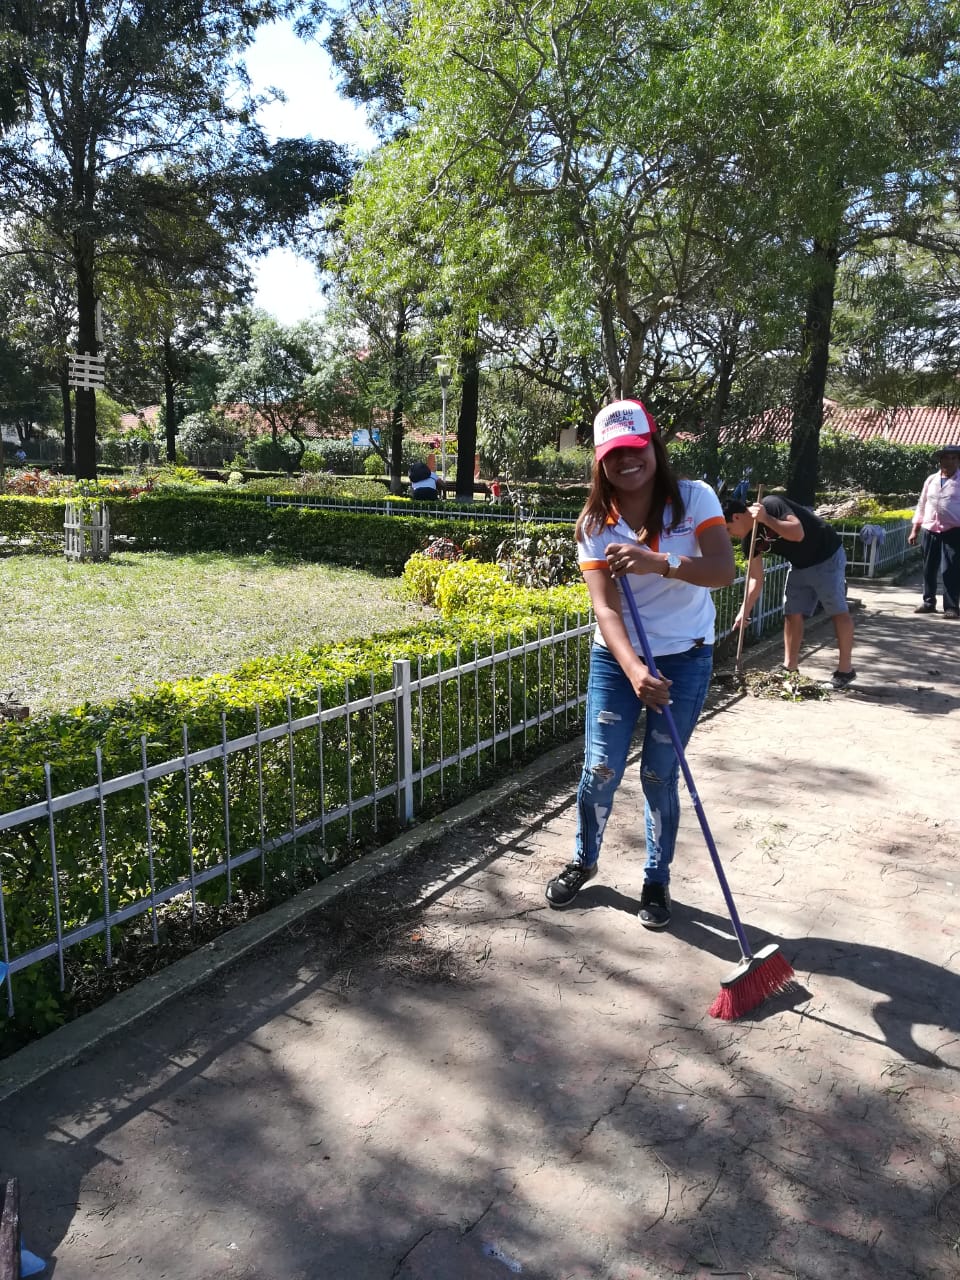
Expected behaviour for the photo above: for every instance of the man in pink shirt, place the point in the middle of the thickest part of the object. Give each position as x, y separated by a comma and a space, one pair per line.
938, 515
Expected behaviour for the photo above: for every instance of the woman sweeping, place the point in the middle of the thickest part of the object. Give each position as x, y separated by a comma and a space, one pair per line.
642, 530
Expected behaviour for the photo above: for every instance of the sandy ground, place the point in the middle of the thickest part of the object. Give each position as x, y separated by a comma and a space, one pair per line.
442, 1079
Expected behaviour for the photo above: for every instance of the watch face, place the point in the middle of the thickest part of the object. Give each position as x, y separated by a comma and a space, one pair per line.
673, 561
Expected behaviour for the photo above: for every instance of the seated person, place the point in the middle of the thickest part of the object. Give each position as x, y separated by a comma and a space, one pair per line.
423, 483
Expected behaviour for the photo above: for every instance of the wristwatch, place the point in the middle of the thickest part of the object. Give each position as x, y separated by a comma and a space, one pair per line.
671, 564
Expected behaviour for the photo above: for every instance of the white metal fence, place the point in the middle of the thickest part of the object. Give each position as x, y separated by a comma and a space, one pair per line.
768, 610
446, 508
865, 557
869, 556
86, 531
320, 783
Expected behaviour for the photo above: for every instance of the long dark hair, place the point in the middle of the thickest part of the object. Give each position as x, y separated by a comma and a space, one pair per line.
601, 503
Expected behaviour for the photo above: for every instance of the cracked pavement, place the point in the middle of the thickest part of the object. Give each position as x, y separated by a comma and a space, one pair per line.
499, 1089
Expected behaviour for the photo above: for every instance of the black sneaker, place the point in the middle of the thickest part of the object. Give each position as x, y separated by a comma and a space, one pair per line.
925, 608
562, 889
951, 613
842, 678
654, 906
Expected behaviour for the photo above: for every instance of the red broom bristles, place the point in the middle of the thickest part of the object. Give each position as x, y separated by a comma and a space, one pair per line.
764, 979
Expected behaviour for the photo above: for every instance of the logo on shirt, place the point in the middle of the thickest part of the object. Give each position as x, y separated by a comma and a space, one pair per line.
685, 526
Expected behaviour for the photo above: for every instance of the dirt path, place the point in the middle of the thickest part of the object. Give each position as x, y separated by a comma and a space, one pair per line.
484, 1088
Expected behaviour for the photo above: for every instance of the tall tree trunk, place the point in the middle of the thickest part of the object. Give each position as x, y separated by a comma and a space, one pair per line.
609, 349
169, 402
396, 444
85, 435
467, 420
395, 453
713, 426
812, 375
396, 415
301, 446
636, 328
67, 419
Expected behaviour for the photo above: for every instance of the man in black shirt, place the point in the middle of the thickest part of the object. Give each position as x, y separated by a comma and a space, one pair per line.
817, 572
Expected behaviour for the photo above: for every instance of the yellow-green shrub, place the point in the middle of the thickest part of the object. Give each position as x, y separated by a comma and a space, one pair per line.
470, 587
420, 576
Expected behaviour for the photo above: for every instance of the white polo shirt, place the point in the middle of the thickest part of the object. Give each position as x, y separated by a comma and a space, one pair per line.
675, 614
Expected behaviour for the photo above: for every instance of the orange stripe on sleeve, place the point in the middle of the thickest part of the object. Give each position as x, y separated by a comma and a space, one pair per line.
711, 523
585, 565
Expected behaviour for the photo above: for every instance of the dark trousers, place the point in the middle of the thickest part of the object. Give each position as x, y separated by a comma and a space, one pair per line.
941, 555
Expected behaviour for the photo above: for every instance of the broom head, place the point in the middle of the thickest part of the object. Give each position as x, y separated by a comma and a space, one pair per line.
755, 977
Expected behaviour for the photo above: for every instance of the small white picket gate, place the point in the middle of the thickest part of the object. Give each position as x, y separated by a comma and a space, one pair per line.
86, 532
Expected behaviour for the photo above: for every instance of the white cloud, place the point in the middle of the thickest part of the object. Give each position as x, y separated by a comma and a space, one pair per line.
303, 71
287, 285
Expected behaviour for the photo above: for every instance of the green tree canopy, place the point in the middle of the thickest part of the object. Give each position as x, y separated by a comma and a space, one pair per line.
674, 187
118, 90
272, 373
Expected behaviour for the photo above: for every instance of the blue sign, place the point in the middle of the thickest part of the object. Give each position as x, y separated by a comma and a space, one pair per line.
363, 438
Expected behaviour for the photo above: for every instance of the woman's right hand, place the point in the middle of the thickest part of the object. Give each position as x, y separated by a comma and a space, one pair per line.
653, 692
630, 557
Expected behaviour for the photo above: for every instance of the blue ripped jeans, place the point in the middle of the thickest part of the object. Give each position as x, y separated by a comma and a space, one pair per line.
612, 713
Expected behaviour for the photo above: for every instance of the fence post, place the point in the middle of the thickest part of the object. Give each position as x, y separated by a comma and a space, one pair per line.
760, 611
401, 684
872, 559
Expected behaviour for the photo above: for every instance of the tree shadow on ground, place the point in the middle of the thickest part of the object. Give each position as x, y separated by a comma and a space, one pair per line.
909, 990
902, 661
458, 1119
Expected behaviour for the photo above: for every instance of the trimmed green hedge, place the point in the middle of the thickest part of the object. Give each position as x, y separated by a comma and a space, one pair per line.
33, 518
200, 521
846, 462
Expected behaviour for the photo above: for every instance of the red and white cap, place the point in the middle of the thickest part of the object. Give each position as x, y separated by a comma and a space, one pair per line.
625, 424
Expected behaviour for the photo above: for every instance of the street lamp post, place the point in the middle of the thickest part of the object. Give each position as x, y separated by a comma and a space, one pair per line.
444, 371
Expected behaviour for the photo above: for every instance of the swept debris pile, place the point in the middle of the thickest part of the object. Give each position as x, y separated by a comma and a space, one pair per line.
789, 685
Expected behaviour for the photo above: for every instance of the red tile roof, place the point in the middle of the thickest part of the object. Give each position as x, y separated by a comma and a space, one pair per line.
917, 424
149, 415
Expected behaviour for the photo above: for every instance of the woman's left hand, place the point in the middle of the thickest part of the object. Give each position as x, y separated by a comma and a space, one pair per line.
631, 557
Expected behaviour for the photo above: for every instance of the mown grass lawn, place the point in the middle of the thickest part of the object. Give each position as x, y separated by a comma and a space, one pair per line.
72, 633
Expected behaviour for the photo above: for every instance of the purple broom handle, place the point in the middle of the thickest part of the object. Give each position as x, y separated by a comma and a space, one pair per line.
688, 778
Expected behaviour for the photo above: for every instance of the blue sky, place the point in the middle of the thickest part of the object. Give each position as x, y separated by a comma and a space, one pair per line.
286, 285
